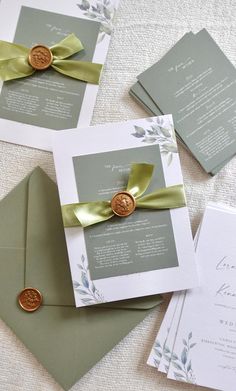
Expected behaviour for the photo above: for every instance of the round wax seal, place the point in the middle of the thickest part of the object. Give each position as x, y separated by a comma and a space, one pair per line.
30, 299
40, 57
123, 204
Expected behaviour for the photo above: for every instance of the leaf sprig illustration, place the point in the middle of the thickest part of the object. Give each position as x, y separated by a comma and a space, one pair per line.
160, 351
103, 11
157, 350
183, 365
157, 132
89, 294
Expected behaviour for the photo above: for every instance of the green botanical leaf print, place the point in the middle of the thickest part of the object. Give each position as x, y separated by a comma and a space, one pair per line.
102, 11
156, 132
139, 130
176, 365
183, 364
184, 356
86, 288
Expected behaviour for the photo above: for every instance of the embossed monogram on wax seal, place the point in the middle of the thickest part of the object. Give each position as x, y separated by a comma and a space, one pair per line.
123, 204
40, 57
30, 299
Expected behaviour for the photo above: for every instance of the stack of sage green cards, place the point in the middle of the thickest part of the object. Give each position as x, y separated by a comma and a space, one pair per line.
196, 83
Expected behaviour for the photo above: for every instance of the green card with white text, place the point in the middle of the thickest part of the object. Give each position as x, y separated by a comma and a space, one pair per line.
197, 84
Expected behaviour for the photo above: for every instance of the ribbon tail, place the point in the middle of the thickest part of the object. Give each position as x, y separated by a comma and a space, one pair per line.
86, 214
10, 50
80, 70
67, 47
166, 198
139, 178
15, 68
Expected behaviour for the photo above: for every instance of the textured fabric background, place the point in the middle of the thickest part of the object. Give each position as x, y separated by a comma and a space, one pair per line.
144, 31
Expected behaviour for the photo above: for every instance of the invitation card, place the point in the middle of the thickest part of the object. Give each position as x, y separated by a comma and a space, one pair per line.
32, 108
142, 97
196, 83
118, 257
203, 349
160, 350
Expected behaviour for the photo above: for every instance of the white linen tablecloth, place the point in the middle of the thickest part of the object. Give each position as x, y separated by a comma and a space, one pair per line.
144, 31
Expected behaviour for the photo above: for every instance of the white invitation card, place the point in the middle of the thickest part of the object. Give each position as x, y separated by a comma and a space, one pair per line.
160, 350
203, 349
143, 253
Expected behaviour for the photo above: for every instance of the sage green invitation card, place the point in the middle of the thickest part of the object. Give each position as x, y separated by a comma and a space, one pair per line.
143, 98
48, 99
197, 84
141, 242
139, 93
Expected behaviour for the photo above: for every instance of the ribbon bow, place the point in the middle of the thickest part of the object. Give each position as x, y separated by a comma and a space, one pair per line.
124, 203
17, 61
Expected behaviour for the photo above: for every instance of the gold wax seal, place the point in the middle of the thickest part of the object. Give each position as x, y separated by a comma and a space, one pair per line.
40, 57
123, 204
30, 299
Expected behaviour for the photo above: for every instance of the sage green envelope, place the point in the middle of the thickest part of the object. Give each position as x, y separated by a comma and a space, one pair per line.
67, 341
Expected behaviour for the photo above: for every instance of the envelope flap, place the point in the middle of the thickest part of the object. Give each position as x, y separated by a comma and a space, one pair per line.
47, 265
140, 303
13, 212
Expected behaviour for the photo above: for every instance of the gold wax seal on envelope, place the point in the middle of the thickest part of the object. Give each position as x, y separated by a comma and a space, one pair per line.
123, 204
30, 299
40, 57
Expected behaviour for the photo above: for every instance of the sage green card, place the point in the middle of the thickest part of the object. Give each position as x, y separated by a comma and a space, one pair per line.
138, 92
48, 99
141, 242
141, 96
197, 84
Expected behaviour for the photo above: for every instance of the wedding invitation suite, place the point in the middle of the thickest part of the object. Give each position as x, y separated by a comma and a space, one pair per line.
32, 108
196, 83
117, 258
202, 350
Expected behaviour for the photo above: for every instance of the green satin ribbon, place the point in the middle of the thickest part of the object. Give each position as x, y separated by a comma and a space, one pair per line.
84, 214
14, 62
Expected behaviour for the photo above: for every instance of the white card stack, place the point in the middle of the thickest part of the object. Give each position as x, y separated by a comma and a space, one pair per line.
197, 339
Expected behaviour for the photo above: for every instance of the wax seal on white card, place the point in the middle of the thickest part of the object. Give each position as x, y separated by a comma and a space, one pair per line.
30, 299
40, 57
123, 204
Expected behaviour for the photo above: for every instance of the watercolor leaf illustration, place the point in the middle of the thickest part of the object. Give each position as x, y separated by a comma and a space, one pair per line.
102, 11
183, 364
158, 132
86, 287
157, 352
